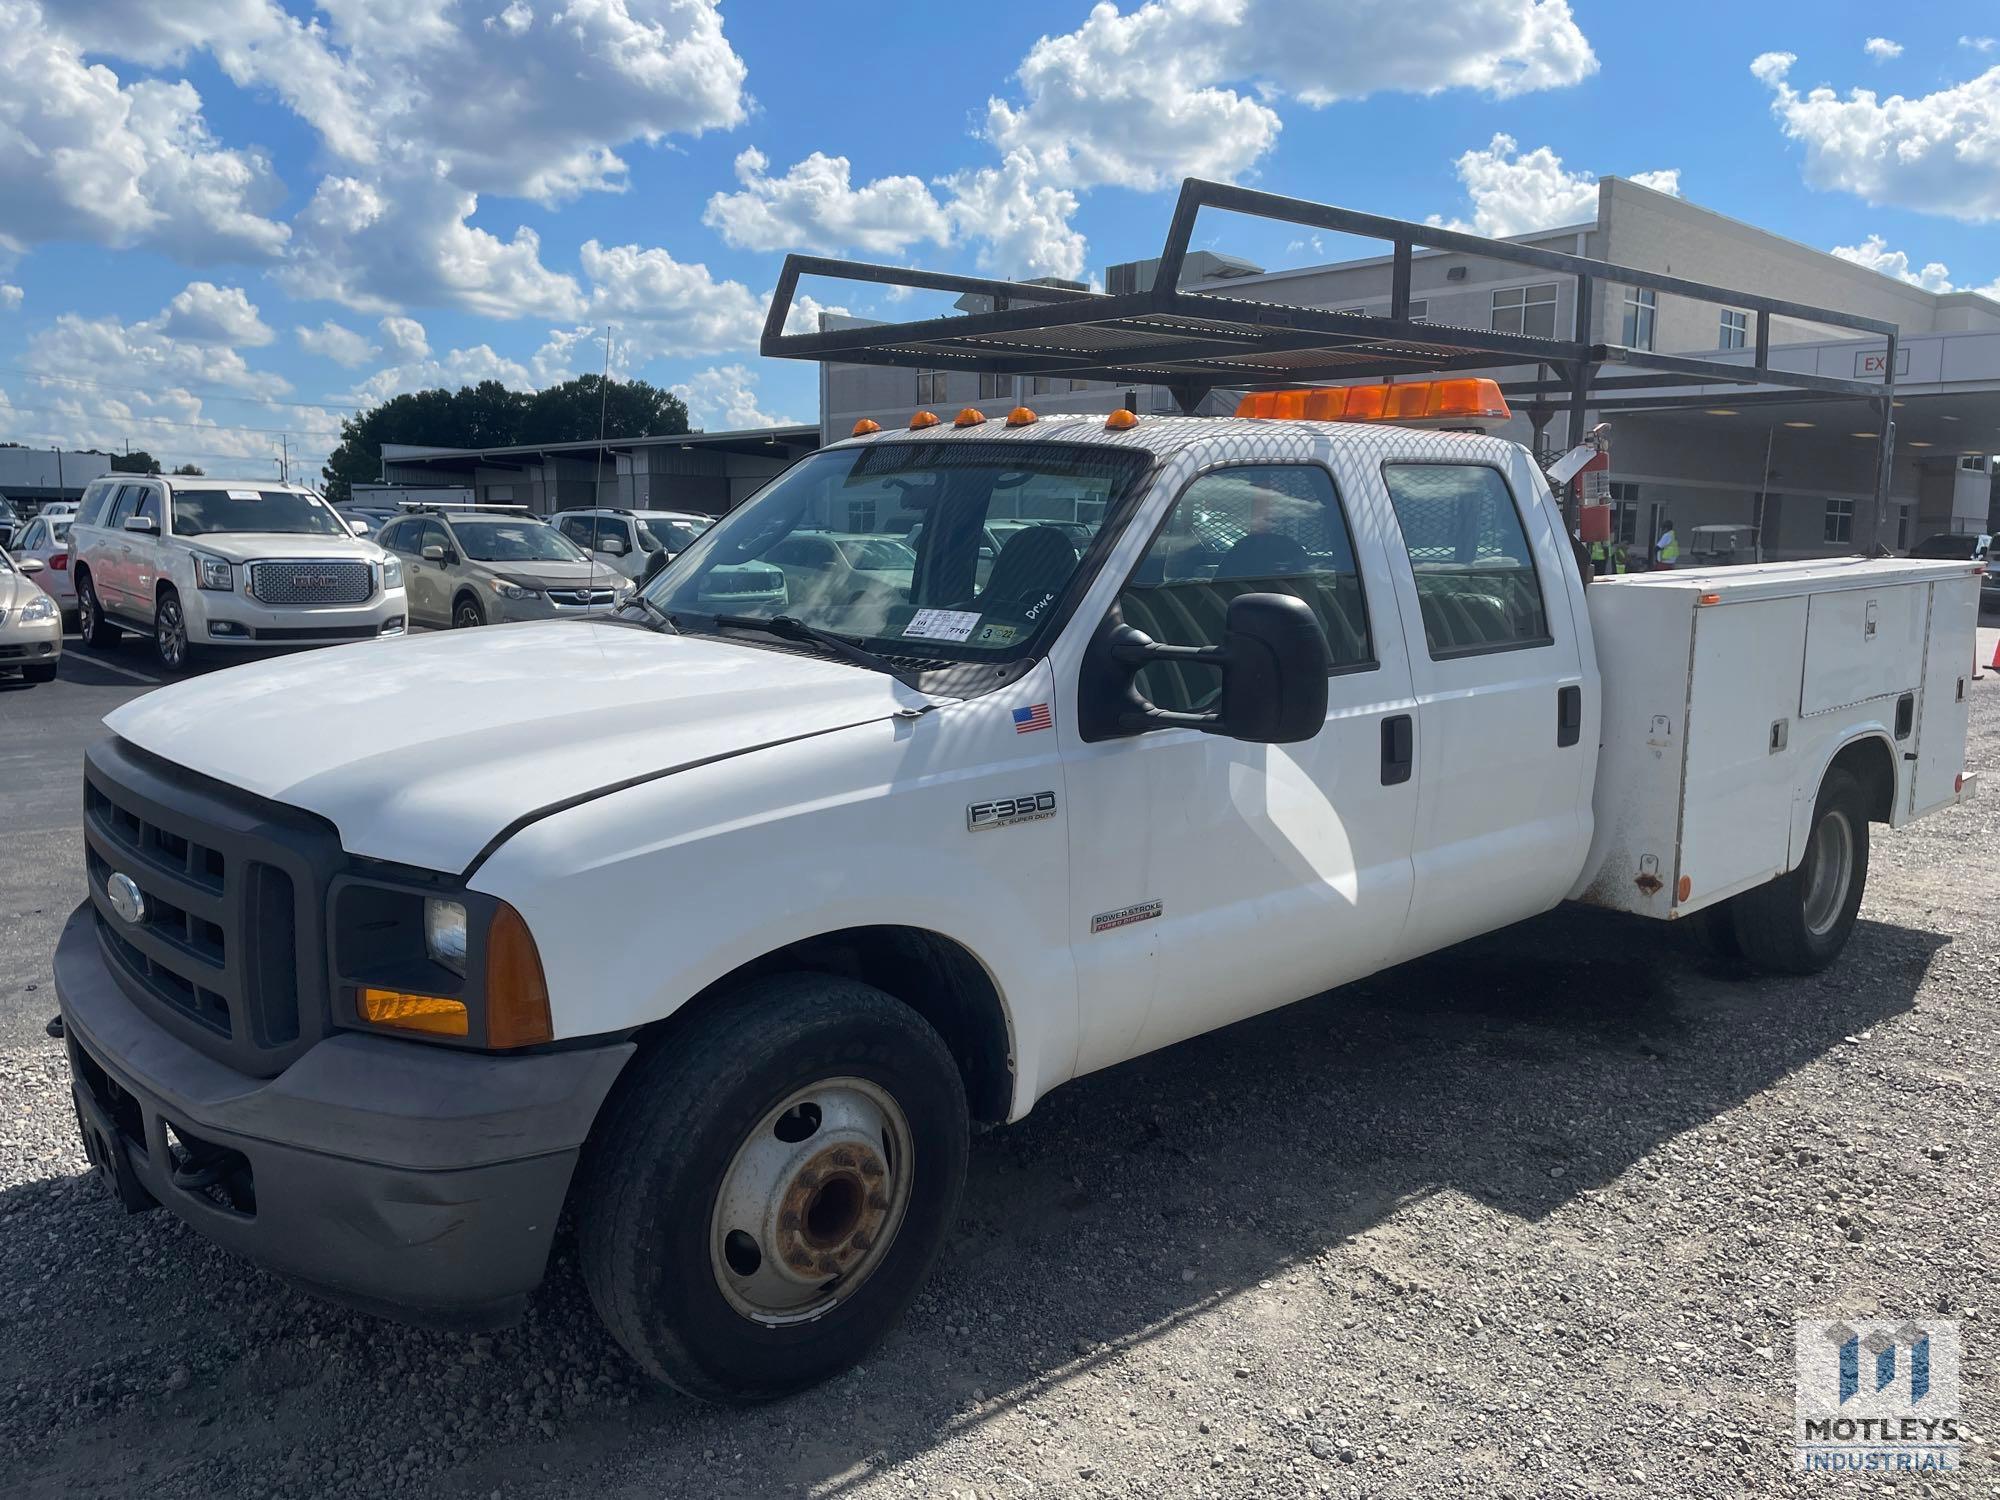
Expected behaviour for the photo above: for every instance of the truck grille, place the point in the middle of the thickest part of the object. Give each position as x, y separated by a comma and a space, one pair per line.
224, 947
312, 581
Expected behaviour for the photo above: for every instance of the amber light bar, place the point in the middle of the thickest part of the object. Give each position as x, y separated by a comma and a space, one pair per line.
1472, 399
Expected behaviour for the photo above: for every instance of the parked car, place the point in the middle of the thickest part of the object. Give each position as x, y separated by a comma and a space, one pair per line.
858, 570
1970, 547
46, 540
1719, 546
485, 565
57, 509
197, 563
10, 522
31, 634
638, 543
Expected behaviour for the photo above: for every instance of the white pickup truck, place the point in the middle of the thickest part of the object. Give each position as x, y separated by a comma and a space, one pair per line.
724, 930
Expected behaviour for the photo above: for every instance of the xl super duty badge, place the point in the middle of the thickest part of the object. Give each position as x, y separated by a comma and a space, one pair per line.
1031, 807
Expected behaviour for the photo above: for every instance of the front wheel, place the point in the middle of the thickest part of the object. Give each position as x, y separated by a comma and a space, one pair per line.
1798, 923
466, 613
767, 1191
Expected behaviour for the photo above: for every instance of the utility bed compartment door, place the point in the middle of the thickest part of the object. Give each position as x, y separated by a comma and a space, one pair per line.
1941, 713
1862, 644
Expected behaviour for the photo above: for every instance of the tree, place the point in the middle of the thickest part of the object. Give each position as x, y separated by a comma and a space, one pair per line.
489, 415
137, 462
189, 469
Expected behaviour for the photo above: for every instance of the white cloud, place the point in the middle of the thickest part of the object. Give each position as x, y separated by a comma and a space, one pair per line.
85, 156
665, 306
456, 368
1938, 153
1933, 276
10, 296
724, 399
805, 312
1178, 87
1516, 193
815, 206
205, 313
404, 337
1023, 223
1881, 48
1977, 43
333, 341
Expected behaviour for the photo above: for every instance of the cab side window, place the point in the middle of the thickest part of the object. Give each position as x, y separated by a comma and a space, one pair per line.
149, 504
1258, 529
126, 503
579, 530
1476, 579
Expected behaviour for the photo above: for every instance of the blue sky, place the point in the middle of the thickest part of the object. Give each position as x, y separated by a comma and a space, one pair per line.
218, 229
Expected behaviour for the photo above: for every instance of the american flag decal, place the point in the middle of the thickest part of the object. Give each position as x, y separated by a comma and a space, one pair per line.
1028, 720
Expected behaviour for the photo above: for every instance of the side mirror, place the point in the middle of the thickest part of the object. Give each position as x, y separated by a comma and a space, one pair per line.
142, 523
434, 553
614, 546
1274, 662
30, 565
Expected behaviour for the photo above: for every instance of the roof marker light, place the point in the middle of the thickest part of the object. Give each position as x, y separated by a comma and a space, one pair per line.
971, 416
865, 426
922, 420
1121, 420
1020, 416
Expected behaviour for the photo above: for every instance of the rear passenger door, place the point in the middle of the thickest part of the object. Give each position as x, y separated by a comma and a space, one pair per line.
1503, 771
111, 567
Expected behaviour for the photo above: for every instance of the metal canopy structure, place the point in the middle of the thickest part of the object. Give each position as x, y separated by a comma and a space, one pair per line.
1195, 342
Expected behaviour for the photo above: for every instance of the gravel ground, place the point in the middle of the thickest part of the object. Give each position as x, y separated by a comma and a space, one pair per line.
1531, 1217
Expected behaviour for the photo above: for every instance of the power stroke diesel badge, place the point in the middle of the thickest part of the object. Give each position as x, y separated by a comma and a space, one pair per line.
1000, 812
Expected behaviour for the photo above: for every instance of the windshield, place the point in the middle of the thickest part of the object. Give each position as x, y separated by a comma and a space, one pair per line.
200, 512
670, 536
515, 541
1946, 546
834, 526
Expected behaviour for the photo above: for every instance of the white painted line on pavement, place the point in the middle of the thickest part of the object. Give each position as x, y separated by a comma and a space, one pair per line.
112, 666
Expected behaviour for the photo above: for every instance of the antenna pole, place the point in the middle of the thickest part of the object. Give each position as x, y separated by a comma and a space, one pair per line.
597, 484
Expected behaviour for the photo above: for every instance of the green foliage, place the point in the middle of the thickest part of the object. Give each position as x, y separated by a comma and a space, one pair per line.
195, 469
489, 415
138, 462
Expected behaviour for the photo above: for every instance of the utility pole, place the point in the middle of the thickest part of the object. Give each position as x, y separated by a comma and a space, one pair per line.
285, 463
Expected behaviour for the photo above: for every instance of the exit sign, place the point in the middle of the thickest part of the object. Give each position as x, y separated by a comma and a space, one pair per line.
1873, 363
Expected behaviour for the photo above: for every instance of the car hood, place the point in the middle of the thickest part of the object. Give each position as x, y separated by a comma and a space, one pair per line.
555, 575
255, 546
423, 750
17, 590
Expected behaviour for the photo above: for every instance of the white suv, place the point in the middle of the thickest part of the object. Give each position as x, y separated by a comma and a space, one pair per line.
638, 543
195, 563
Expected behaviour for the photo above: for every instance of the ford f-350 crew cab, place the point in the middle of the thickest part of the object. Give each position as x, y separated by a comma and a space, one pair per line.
1263, 707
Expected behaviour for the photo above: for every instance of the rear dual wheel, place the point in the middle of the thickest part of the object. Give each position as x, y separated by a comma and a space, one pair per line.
767, 1192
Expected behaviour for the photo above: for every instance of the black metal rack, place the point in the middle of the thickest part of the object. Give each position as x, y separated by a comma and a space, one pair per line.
1195, 342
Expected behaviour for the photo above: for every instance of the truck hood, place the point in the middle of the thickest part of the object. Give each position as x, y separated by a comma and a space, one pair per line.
423, 750
255, 546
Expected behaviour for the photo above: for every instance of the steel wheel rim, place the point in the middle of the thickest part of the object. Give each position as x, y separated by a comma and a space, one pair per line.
172, 632
811, 1201
1829, 871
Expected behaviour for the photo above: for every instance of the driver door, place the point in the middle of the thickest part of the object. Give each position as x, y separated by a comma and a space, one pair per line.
1213, 879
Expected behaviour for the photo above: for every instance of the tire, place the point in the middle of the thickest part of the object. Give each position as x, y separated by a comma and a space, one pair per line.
1712, 930
1798, 923
39, 674
698, 1143
171, 647
466, 613
90, 622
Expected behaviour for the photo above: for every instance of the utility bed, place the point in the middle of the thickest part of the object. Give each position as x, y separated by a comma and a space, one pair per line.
1726, 693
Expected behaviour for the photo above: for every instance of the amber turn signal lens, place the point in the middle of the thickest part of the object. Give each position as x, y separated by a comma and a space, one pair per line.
430, 1015
971, 416
865, 426
922, 420
517, 992
1121, 420
1020, 416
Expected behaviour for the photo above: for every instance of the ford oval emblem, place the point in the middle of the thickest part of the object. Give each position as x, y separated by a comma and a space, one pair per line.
126, 898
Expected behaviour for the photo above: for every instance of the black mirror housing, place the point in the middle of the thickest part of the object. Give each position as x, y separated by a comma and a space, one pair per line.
1274, 674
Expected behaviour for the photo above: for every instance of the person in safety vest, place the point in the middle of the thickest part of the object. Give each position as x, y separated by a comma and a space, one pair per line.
1600, 558
1666, 551
1620, 563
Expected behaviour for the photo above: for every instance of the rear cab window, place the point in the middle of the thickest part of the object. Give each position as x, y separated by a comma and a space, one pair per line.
1477, 583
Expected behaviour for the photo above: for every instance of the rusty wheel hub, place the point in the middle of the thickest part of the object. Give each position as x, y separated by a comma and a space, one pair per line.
811, 1201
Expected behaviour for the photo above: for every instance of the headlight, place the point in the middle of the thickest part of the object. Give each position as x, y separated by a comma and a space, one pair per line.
508, 590
392, 572
444, 934
43, 608
214, 572
624, 591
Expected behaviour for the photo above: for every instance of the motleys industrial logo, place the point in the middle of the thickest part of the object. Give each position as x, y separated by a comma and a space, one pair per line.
1877, 1395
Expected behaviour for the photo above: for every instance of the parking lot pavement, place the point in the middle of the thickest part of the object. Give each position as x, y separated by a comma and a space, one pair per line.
1533, 1216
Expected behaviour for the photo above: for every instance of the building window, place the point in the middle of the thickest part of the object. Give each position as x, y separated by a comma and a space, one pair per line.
995, 387
1839, 521
1625, 511
1735, 329
1642, 306
1420, 310
930, 388
1902, 528
1973, 462
1526, 309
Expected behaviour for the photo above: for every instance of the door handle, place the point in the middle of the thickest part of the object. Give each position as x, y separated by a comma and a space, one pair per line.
1398, 749
1569, 715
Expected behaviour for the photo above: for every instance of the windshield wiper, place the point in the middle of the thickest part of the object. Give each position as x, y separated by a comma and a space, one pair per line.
791, 628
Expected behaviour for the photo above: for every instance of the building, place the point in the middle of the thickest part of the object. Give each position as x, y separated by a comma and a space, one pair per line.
704, 472
1800, 471
32, 477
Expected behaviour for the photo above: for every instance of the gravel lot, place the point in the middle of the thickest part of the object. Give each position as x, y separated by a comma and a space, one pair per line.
1531, 1217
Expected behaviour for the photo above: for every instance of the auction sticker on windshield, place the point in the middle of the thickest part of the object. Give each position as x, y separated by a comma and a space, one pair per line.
244, 495
941, 624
